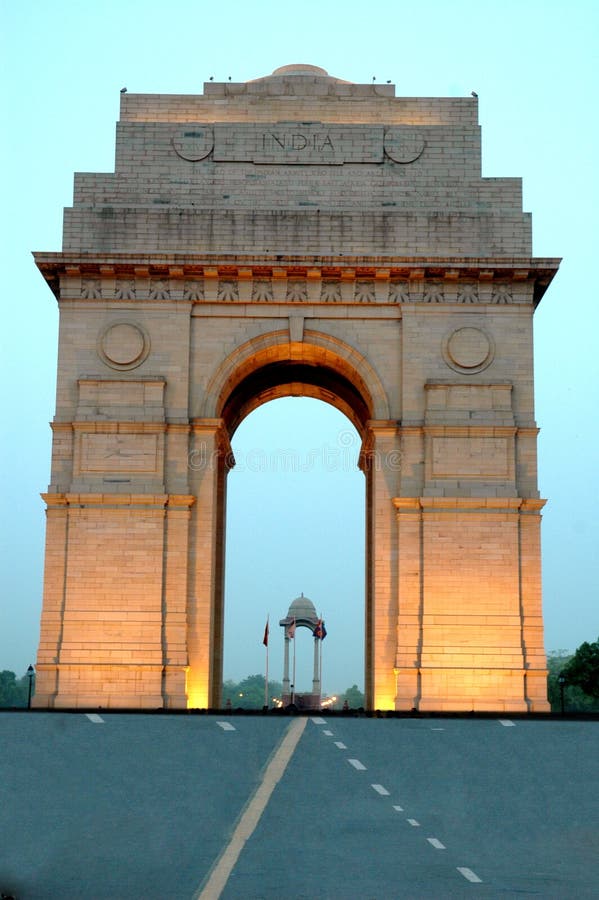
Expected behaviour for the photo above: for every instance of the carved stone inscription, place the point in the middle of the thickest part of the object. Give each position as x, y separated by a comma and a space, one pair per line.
299, 143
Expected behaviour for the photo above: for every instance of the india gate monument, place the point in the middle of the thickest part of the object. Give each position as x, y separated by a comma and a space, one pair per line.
295, 235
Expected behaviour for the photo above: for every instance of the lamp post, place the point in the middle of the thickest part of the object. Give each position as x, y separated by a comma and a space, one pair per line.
561, 680
30, 676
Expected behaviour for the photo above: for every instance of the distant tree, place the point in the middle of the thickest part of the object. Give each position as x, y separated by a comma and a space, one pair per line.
249, 693
583, 669
353, 696
13, 690
575, 699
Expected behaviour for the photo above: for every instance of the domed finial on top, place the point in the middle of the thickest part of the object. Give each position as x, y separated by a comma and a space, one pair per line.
300, 69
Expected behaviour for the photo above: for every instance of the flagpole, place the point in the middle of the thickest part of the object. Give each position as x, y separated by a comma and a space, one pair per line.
266, 682
320, 664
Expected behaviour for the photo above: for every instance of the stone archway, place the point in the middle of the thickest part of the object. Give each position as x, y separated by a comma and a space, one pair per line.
259, 371
294, 234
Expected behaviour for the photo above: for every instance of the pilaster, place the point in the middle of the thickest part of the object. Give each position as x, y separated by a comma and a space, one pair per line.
209, 459
380, 460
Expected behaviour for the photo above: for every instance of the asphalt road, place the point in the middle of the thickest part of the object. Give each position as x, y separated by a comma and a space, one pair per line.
145, 806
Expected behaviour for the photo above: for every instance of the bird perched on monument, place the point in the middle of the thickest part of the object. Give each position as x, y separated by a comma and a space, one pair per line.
123, 90
474, 94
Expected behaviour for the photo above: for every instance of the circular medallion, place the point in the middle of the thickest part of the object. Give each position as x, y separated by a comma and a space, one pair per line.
403, 145
123, 345
193, 142
468, 350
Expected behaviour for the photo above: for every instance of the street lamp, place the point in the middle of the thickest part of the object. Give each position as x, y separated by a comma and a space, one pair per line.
561, 680
30, 676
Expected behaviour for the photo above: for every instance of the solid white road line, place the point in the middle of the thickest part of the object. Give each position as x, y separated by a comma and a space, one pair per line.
380, 789
95, 718
469, 875
328, 733
341, 745
318, 721
226, 726
219, 875
506, 722
357, 765
398, 808
413, 822
436, 843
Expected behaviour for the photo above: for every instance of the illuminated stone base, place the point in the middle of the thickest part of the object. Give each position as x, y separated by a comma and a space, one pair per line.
109, 687
472, 690
465, 690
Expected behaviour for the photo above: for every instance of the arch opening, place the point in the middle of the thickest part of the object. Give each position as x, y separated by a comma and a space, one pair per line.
295, 523
271, 367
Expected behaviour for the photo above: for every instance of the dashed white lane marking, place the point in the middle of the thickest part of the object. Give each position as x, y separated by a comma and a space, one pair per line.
357, 765
341, 745
220, 873
436, 843
380, 789
328, 733
414, 823
469, 875
398, 808
506, 722
318, 721
437, 729
95, 718
226, 726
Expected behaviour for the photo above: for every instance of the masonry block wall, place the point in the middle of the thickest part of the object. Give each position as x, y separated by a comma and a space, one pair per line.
302, 235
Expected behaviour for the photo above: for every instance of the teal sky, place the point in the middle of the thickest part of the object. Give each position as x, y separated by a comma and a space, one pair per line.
535, 68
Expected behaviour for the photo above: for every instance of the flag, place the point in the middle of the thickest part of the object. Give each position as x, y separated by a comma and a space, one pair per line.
265, 638
320, 631
291, 629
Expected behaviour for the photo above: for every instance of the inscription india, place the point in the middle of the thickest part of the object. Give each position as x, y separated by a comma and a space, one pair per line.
273, 141
313, 144
299, 143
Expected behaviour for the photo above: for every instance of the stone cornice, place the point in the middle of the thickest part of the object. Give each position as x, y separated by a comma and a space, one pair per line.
78, 500
421, 428
232, 278
450, 504
458, 430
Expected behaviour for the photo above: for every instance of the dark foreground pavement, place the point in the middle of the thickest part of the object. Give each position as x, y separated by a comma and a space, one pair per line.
143, 806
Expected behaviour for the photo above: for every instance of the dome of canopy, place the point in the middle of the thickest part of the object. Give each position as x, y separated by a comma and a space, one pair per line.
302, 608
303, 612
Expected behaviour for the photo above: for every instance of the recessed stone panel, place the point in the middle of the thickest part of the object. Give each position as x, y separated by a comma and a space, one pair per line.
470, 457
123, 345
193, 142
118, 453
468, 350
403, 145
